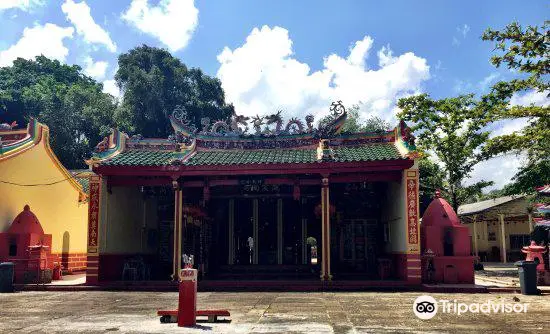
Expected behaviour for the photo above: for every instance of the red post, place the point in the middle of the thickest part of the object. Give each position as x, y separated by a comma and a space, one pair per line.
187, 304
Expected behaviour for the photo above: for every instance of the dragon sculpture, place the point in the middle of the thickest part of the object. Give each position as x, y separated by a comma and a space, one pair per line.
205, 122
277, 119
220, 127
294, 126
309, 121
237, 126
257, 122
239, 119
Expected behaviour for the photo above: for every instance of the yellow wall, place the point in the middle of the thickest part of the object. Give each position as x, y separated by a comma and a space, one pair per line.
484, 228
56, 206
125, 220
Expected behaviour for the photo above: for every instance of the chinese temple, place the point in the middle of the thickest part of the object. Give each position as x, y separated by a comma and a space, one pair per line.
278, 201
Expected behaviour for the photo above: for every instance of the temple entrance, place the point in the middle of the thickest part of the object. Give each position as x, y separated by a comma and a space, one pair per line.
267, 231
263, 237
268, 219
243, 232
357, 247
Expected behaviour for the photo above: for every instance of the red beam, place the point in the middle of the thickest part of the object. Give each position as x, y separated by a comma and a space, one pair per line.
192, 184
258, 169
133, 181
366, 177
224, 182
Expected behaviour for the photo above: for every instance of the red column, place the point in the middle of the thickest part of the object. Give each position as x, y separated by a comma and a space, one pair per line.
325, 229
94, 206
414, 271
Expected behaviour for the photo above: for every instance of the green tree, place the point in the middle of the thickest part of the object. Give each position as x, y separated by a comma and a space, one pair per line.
154, 83
431, 179
525, 50
73, 105
451, 129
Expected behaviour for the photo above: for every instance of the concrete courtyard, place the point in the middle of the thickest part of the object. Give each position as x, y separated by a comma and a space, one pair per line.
345, 312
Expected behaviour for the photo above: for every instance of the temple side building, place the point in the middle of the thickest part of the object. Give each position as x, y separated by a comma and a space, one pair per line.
281, 200
31, 175
499, 227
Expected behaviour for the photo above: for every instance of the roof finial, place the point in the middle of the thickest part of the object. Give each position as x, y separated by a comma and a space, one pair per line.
437, 193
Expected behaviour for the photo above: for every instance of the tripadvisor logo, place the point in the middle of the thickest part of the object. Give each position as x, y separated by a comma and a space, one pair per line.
426, 307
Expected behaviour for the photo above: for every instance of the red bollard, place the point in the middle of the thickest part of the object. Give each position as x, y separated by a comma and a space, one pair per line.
187, 304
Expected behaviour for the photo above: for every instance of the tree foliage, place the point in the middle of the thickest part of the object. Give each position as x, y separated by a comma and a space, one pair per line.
453, 129
432, 178
154, 83
525, 50
73, 105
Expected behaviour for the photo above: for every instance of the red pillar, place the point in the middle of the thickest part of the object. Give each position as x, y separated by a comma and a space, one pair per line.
325, 229
94, 207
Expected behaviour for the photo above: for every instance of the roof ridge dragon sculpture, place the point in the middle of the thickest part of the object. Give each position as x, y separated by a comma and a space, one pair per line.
264, 126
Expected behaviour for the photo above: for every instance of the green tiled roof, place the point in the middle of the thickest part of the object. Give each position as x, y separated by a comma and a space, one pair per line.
237, 157
84, 182
383, 151
141, 158
368, 152
372, 152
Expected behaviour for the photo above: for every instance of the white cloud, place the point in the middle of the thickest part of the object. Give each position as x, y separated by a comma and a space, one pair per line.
171, 21
80, 16
531, 97
24, 5
499, 169
110, 87
46, 40
507, 127
96, 69
262, 76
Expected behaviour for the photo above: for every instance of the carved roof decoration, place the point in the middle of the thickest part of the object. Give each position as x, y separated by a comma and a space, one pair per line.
253, 140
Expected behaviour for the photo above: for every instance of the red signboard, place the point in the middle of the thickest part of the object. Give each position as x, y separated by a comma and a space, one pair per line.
93, 214
412, 209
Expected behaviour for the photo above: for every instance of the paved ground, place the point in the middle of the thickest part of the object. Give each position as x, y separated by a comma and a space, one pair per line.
361, 312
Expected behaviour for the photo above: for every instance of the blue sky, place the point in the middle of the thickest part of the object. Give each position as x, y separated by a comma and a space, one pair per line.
294, 55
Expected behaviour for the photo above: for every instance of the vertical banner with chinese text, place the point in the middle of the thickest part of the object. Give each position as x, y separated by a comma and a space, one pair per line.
93, 213
92, 266
413, 229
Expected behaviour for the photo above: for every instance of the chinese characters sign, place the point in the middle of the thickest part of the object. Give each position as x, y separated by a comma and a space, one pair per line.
93, 214
412, 207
